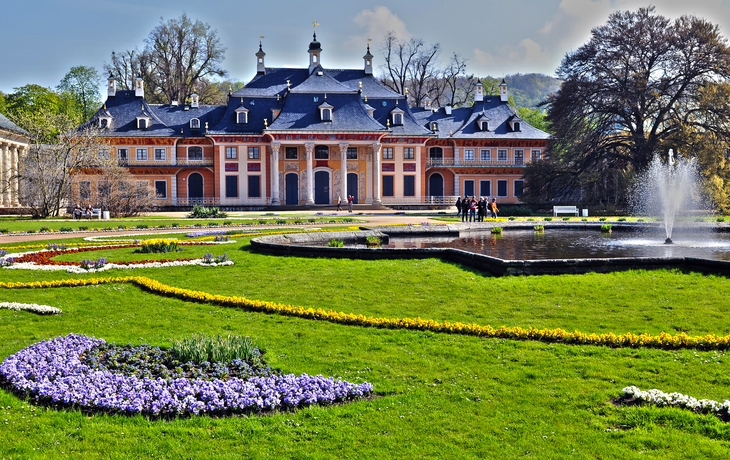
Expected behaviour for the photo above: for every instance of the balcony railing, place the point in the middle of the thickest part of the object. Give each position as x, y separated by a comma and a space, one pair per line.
418, 200
167, 163
460, 162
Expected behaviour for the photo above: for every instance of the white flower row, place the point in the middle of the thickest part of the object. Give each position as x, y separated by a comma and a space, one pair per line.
109, 266
31, 307
661, 399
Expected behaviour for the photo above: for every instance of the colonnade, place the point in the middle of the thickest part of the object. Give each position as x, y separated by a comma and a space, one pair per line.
10, 152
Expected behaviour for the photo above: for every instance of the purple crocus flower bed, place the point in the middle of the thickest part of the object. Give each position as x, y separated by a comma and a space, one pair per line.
52, 372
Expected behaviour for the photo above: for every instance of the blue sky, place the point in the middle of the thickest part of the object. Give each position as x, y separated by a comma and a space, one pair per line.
42, 39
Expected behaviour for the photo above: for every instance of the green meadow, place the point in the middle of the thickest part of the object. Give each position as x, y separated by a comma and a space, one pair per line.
437, 395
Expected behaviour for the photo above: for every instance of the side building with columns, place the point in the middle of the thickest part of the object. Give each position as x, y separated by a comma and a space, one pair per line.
13, 143
306, 136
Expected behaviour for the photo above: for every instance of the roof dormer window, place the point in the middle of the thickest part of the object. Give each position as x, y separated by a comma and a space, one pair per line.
325, 112
194, 123
105, 122
397, 116
241, 115
516, 126
485, 125
143, 121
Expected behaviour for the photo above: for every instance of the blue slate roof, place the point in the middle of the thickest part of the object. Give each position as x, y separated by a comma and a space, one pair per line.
10, 126
301, 112
462, 121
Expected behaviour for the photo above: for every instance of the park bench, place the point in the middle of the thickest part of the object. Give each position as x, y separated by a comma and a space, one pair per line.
565, 210
95, 212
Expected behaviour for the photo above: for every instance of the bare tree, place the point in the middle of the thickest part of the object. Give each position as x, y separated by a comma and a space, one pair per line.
118, 191
406, 59
459, 87
57, 151
125, 67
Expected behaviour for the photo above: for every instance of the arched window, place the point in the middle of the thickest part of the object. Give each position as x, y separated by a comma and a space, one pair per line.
194, 123
436, 153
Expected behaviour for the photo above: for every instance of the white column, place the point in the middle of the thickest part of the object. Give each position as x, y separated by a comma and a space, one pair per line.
377, 160
14, 177
309, 146
4, 181
343, 171
369, 178
2, 171
275, 147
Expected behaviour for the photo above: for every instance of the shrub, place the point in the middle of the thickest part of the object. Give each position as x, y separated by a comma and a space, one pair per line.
200, 348
142, 226
121, 227
374, 240
539, 228
512, 218
262, 221
30, 231
566, 218
606, 228
45, 229
311, 221
531, 219
584, 219
720, 219
519, 211
174, 225
336, 243
639, 220
281, 221
212, 224
83, 228
497, 230
4, 230
64, 229
158, 245
297, 221
622, 219
603, 219
201, 212
548, 219
227, 222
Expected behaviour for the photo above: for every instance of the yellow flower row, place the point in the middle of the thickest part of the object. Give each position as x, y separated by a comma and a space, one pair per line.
662, 340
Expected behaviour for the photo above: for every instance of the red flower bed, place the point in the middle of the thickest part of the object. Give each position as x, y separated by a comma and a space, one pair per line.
45, 257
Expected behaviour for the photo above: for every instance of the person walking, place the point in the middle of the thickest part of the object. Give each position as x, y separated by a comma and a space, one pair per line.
481, 209
465, 209
472, 209
339, 203
350, 200
494, 208
458, 207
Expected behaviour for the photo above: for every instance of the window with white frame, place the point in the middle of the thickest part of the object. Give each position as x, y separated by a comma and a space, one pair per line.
194, 123
141, 154
242, 117
397, 119
195, 153
231, 153
253, 153
160, 154
469, 154
326, 114
122, 154
519, 157
104, 154
501, 155
485, 155
536, 155
387, 153
141, 123
161, 189
409, 153
502, 188
352, 153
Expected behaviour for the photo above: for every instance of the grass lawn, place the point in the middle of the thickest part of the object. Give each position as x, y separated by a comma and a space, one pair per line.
437, 395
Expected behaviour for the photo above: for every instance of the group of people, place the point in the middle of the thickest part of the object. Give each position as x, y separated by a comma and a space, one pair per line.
473, 210
350, 201
78, 213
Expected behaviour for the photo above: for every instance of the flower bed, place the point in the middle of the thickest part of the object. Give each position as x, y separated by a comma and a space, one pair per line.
31, 307
661, 399
52, 372
43, 260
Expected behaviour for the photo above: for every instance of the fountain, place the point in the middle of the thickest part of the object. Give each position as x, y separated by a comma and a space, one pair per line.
667, 189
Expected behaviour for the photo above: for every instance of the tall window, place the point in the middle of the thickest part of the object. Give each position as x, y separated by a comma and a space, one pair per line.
326, 114
352, 153
501, 155
104, 154
387, 153
388, 188
161, 189
469, 155
195, 153
409, 153
253, 153
485, 155
397, 119
84, 190
519, 187
232, 186
254, 186
122, 154
485, 188
321, 152
194, 123
436, 153
160, 154
519, 157
242, 117
502, 188
469, 187
409, 185
291, 153
536, 155
231, 153
142, 154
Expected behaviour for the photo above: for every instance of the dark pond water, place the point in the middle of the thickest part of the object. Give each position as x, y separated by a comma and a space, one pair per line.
574, 244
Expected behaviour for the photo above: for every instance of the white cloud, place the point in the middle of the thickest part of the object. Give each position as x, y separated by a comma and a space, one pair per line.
377, 24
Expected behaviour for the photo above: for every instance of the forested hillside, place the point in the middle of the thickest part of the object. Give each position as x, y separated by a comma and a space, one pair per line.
530, 89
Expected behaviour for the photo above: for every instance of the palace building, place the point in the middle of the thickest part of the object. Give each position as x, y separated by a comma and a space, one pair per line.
13, 144
306, 136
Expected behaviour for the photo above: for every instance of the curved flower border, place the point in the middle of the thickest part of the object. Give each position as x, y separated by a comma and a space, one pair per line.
51, 371
662, 340
42, 260
31, 307
661, 399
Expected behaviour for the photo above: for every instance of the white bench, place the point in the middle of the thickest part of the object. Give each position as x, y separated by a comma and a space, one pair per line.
565, 210
95, 212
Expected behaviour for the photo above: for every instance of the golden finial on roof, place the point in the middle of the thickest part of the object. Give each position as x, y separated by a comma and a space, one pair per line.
360, 85
366, 98
277, 97
325, 96
406, 91
388, 122
287, 83
266, 123
315, 24
206, 125
230, 89
241, 100
105, 106
181, 131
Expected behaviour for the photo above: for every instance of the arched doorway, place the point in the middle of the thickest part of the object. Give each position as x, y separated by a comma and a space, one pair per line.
436, 185
352, 186
195, 187
291, 188
322, 187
